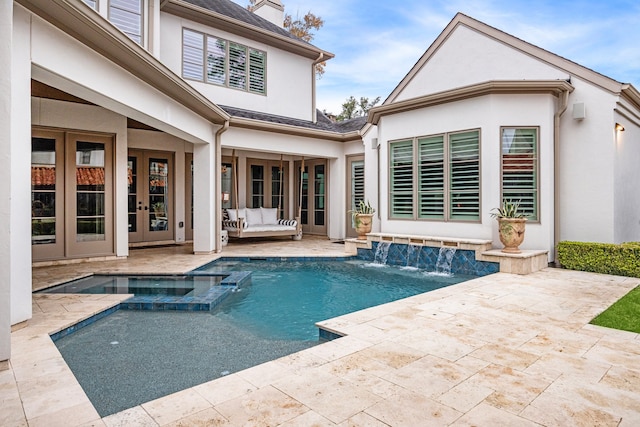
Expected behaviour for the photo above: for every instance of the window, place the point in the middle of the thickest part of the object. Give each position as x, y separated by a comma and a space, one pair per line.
237, 66
127, 16
216, 60
93, 4
192, 55
227, 64
257, 67
519, 165
436, 177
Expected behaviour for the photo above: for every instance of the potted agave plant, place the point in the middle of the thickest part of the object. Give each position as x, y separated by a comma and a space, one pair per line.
362, 218
511, 225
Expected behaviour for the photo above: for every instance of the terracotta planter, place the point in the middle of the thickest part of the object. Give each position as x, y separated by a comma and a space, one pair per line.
363, 225
511, 232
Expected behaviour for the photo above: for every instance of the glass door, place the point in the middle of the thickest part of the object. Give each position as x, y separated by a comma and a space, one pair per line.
47, 195
150, 196
312, 191
89, 195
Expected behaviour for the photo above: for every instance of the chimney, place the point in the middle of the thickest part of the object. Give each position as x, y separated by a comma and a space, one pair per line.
271, 10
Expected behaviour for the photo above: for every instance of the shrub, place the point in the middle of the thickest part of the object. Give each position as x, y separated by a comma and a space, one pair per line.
620, 260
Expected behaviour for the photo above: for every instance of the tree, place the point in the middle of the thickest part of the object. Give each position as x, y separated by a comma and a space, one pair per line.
302, 28
352, 108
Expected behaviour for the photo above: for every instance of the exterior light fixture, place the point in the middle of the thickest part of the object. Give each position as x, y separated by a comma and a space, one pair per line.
619, 127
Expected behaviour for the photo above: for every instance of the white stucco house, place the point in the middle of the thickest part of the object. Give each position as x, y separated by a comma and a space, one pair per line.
127, 122
484, 116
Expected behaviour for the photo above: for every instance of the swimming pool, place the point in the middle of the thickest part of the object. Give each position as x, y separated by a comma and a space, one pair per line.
131, 357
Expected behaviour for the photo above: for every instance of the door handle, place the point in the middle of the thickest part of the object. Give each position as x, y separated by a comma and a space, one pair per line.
146, 208
139, 208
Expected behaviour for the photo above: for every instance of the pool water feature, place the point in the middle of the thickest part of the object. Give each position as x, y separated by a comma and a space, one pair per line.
131, 357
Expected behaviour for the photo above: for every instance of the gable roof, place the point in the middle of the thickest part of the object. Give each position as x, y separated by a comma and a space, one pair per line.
572, 68
233, 18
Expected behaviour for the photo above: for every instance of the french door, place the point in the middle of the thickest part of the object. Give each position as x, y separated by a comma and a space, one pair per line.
267, 185
355, 188
312, 189
71, 195
150, 203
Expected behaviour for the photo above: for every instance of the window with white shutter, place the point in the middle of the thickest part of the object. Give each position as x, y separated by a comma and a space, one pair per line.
220, 62
436, 177
519, 164
127, 16
464, 178
401, 179
216, 61
237, 66
257, 68
192, 55
431, 177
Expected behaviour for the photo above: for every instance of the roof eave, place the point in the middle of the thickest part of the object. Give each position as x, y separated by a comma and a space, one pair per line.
630, 93
553, 87
79, 21
259, 125
237, 27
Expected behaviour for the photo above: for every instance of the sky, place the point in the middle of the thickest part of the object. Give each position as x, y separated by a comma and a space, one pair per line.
377, 42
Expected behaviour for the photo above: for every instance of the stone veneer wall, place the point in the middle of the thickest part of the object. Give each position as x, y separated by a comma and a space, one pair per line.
464, 261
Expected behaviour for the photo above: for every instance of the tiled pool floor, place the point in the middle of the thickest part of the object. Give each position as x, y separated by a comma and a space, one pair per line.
499, 350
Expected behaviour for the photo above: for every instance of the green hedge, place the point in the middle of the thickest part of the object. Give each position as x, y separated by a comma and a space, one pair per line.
619, 260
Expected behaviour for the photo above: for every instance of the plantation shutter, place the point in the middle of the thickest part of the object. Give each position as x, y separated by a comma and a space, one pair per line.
126, 15
256, 71
192, 55
464, 176
237, 66
431, 177
216, 60
520, 168
357, 183
401, 179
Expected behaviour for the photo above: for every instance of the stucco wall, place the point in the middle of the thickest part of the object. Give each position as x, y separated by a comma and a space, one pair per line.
468, 57
289, 77
587, 163
627, 178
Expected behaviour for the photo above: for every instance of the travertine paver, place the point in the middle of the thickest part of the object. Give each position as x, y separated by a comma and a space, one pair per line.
498, 350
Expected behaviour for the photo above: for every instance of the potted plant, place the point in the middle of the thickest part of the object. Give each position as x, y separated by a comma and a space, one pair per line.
511, 224
362, 217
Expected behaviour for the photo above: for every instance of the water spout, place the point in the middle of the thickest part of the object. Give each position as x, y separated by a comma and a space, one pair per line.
382, 251
413, 257
445, 257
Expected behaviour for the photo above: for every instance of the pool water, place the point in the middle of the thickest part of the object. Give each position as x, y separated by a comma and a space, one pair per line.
131, 357
286, 299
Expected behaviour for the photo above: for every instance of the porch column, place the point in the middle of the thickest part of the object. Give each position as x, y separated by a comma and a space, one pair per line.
6, 35
20, 167
204, 202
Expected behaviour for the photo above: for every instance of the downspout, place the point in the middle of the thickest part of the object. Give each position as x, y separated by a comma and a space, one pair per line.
314, 115
562, 107
218, 185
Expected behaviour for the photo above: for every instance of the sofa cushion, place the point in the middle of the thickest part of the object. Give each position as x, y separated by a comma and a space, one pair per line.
234, 214
269, 215
254, 216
